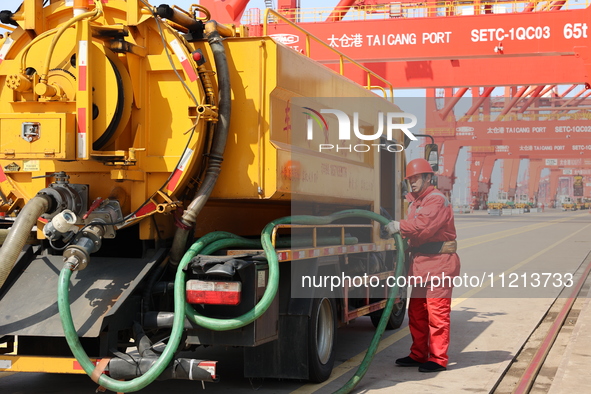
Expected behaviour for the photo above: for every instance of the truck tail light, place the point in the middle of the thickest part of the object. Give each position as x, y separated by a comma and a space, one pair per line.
213, 292
209, 366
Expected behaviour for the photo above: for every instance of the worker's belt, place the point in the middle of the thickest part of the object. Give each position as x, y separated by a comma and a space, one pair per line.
436, 247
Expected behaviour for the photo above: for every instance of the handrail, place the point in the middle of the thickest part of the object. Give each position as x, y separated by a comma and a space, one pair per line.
315, 227
6, 28
421, 9
582, 115
342, 56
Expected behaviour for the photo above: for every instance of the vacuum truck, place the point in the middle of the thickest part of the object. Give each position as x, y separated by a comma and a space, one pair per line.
168, 183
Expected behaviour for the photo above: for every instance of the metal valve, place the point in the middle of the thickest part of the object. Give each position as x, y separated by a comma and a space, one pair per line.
88, 241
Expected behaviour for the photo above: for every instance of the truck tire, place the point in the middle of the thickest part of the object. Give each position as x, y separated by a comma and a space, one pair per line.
322, 338
397, 315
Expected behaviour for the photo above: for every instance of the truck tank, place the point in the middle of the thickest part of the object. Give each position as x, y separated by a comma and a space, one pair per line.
127, 130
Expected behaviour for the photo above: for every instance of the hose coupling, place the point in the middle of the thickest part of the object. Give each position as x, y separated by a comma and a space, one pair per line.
88, 241
63, 225
215, 38
207, 113
71, 263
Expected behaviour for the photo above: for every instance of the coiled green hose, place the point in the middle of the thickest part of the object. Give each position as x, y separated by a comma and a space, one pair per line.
181, 307
171, 347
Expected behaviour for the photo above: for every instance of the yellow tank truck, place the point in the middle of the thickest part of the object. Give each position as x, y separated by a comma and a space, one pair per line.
151, 164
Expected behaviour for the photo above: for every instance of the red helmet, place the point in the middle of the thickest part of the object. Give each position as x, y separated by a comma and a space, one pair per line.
418, 166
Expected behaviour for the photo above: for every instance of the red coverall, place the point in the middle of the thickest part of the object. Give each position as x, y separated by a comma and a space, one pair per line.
430, 219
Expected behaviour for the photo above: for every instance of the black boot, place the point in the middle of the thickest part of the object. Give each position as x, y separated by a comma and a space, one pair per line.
431, 366
407, 362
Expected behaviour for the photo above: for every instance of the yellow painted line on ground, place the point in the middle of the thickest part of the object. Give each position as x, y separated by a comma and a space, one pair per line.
463, 244
355, 361
462, 225
488, 223
515, 267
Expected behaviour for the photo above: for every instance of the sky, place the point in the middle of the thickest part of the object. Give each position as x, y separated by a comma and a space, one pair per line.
12, 5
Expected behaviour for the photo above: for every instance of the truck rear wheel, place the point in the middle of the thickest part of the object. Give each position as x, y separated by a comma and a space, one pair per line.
397, 315
322, 336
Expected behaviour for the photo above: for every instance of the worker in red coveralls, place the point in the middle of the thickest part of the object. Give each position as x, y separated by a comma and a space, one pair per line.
431, 235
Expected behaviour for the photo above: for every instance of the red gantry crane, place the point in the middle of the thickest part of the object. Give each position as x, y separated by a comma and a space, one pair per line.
546, 134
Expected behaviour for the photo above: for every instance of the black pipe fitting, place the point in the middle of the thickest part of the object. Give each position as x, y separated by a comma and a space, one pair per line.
164, 11
180, 368
6, 18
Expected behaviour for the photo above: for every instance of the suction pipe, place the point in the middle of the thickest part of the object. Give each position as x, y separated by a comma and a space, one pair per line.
216, 154
19, 232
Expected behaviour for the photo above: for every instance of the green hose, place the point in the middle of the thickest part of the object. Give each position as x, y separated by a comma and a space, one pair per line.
373, 347
393, 293
171, 347
263, 304
273, 282
218, 324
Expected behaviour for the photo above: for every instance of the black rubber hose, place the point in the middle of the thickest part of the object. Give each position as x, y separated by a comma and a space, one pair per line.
216, 154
